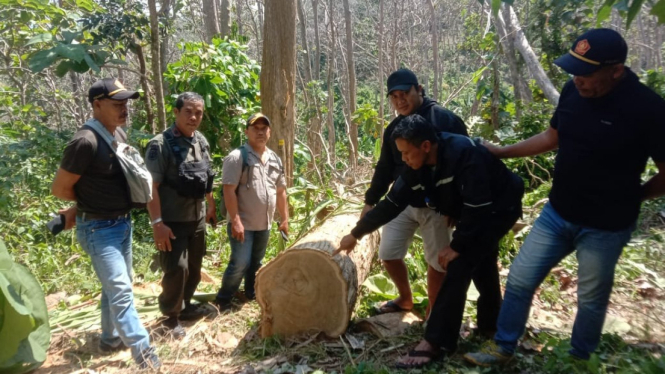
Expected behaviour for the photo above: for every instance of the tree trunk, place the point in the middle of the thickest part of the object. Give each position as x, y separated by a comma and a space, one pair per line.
210, 19
150, 117
496, 91
350, 66
509, 51
302, 23
239, 16
435, 48
379, 129
278, 75
317, 40
165, 12
156, 65
530, 57
331, 92
225, 18
304, 289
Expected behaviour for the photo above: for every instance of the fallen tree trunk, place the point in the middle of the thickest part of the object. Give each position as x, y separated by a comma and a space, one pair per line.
304, 289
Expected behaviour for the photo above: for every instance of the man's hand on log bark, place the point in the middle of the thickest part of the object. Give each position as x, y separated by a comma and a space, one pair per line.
346, 244
446, 256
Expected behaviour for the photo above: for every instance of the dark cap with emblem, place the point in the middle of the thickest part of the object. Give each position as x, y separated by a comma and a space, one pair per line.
257, 117
110, 88
402, 80
592, 50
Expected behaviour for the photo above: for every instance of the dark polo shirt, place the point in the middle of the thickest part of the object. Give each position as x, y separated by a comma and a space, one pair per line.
604, 145
102, 188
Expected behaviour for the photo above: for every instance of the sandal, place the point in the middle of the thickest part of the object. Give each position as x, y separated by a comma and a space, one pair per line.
390, 307
432, 355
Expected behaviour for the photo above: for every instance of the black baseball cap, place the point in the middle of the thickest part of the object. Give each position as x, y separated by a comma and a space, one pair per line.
592, 50
110, 88
257, 116
402, 79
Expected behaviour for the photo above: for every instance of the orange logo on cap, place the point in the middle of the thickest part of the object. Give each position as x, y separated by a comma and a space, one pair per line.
582, 47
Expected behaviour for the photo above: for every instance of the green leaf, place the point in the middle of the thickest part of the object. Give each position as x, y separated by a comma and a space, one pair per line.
91, 63
658, 10
42, 59
41, 38
496, 4
74, 52
604, 12
24, 330
635, 7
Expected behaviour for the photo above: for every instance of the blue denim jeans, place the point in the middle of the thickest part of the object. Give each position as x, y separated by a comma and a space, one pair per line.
245, 261
109, 245
551, 239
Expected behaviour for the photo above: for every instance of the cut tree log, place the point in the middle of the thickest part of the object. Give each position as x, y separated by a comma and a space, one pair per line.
304, 289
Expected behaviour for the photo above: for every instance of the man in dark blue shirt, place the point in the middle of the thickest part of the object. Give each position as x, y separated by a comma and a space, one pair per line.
606, 126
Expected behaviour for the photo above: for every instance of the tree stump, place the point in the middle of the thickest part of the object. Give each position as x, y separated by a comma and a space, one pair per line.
304, 289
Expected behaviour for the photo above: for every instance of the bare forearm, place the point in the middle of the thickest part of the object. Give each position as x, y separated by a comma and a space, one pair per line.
155, 205
546, 141
231, 201
210, 200
282, 206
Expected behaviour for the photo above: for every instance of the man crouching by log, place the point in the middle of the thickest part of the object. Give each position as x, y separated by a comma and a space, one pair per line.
464, 181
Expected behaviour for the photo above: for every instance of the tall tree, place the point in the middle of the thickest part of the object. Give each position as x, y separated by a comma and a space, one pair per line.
278, 73
225, 18
434, 25
317, 40
331, 92
523, 46
210, 19
156, 65
379, 129
351, 73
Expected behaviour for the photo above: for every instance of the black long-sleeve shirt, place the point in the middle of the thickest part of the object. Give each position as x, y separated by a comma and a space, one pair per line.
467, 183
391, 166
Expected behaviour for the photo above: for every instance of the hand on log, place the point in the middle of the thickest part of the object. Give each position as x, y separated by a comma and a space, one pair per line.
346, 244
446, 256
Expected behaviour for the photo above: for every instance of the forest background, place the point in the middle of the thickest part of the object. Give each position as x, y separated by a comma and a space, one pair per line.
318, 69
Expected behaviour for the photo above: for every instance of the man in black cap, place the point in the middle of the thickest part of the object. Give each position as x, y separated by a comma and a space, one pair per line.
91, 175
606, 126
407, 97
254, 186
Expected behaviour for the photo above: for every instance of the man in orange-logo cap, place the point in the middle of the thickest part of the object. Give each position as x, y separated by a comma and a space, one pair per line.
606, 126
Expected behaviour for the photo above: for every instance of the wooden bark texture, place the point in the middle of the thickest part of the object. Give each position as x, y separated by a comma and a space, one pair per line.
304, 289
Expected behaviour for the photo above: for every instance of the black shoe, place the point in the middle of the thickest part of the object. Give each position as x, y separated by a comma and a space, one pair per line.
223, 306
148, 359
172, 327
107, 349
192, 312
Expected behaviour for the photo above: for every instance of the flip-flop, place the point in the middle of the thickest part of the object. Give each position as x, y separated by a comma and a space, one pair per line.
390, 307
432, 355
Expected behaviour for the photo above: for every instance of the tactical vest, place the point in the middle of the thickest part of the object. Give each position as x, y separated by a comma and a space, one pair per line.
194, 177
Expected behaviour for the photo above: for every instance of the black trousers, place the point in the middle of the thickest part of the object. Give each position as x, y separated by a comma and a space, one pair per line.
479, 265
182, 266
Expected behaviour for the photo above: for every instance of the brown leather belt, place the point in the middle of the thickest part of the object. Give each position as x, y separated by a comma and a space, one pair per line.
96, 217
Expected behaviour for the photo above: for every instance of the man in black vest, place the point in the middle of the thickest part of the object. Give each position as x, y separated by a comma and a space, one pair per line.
606, 126
91, 175
407, 97
181, 166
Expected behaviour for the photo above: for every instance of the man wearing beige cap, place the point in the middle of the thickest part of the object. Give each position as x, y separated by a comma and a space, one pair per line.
253, 186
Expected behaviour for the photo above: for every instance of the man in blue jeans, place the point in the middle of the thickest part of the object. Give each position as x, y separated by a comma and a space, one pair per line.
91, 175
254, 185
606, 126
